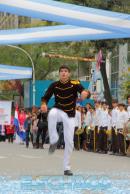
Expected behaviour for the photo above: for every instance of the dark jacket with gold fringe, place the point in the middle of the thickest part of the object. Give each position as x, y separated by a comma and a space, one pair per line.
65, 95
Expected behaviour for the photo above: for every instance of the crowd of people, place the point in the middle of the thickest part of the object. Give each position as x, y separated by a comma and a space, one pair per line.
101, 129
30, 127
97, 128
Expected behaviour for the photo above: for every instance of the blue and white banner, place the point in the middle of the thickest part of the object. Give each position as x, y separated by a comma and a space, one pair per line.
68, 14
60, 33
8, 72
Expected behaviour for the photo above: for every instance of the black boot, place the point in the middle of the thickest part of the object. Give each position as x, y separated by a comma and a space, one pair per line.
40, 145
52, 148
34, 145
68, 173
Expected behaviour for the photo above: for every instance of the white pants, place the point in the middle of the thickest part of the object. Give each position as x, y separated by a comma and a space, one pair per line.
56, 115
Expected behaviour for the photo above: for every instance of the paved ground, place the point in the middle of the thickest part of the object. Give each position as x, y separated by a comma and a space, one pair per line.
17, 161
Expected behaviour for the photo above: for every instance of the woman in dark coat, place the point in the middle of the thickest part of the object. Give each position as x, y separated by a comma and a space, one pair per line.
42, 126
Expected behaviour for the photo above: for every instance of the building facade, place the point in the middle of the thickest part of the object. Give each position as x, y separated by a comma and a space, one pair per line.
8, 21
118, 72
119, 66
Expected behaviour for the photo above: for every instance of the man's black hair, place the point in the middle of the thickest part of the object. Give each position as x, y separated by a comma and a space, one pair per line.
104, 102
121, 104
97, 101
128, 97
64, 67
114, 101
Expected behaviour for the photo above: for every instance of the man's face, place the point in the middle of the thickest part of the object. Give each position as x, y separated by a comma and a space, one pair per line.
114, 104
121, 108
43, 108
79, 108
104, 106
91, 110
88, 106
22, 111
64, 74
97, 104
128, 100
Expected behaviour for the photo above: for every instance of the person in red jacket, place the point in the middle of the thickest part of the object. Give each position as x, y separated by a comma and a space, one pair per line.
10, 131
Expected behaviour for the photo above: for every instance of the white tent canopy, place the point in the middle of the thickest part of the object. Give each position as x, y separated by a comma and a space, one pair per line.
92, 24
68, 14
82, 23
88, 23
54, 34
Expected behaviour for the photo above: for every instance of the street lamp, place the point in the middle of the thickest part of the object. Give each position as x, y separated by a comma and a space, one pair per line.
33, 69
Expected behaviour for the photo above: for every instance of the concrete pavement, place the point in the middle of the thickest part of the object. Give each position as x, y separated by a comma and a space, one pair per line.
15, 160
33, 171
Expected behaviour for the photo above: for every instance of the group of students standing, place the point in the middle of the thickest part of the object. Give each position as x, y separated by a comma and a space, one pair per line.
101, 129
97, 128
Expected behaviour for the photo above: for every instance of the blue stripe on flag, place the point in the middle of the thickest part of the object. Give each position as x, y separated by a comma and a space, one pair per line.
66, 19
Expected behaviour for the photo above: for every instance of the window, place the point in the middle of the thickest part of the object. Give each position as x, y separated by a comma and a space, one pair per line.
114, 76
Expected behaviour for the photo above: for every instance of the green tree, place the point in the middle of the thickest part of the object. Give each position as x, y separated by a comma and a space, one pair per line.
115, 5
124, 87
44, 66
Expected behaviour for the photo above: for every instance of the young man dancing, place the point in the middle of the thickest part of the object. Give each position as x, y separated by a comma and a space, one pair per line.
66, 92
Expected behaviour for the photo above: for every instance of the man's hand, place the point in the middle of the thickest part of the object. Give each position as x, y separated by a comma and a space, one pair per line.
85, 94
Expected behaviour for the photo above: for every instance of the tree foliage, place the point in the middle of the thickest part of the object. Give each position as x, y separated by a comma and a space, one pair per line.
124, 87
44, 66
